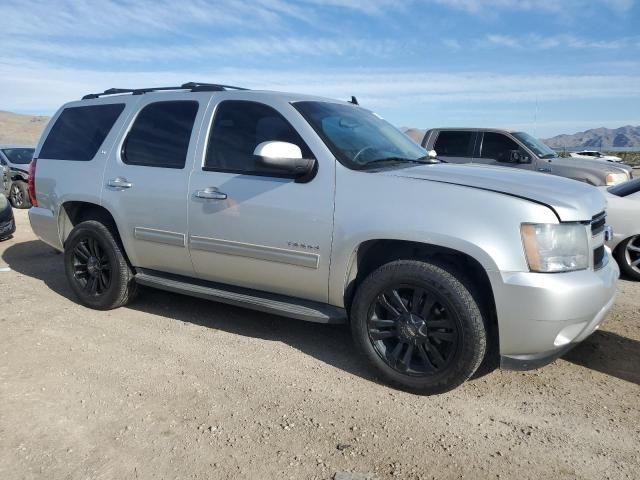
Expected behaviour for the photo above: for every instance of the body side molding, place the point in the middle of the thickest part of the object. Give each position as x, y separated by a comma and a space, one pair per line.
260, 252
159, 236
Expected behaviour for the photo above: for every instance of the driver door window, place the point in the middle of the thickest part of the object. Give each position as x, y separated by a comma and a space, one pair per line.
238, 128
497, 146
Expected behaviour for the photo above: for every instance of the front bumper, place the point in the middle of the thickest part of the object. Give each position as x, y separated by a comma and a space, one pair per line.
541, 316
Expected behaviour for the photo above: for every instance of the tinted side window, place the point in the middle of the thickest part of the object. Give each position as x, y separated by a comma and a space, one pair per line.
160, 135
79, 132
497, 146
238, 128
455, 144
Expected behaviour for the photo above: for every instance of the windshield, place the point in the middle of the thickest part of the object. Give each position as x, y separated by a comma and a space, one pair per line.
19, 156
539, 148
359, 138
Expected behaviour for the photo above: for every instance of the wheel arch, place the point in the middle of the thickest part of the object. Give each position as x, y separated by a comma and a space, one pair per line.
73, 212
371, 254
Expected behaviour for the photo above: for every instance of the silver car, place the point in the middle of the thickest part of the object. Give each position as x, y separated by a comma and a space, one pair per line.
321, 210
624, 216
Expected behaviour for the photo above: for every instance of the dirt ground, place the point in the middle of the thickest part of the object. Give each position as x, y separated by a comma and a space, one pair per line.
176, 387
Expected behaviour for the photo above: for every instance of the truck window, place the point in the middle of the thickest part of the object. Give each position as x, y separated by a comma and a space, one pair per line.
455, 144
79, 132
160, 135
238, 128
497, 146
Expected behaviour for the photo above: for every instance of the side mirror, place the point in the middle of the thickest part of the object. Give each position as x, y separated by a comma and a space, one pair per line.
432, 154
283, 157
515, 156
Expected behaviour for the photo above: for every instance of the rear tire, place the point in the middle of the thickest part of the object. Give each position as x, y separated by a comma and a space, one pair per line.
19, 195
419, 326
628, 257
96, 267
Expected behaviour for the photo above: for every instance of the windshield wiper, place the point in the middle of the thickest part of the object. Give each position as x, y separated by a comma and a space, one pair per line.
398, 160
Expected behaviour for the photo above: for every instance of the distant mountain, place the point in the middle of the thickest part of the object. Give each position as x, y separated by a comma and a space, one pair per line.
21, 129
599, 139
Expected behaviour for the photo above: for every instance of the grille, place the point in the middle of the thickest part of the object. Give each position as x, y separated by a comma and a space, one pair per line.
598, 223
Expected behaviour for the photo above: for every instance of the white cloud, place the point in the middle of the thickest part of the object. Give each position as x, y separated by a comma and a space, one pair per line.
113, 19
557, 6
504, 41
266, 46
539, 42
21, 85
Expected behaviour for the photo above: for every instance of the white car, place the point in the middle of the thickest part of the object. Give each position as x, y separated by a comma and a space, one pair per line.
595, 155
623, 215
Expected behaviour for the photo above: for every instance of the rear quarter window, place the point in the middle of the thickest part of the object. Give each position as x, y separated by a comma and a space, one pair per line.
455, 144
160, 134
79, 132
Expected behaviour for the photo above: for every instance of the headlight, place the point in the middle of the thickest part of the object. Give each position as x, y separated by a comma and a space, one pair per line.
616, 178
553, 247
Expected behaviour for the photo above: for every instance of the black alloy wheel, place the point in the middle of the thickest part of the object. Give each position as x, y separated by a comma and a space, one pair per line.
96, 266
91, 266
413, 330
420, 325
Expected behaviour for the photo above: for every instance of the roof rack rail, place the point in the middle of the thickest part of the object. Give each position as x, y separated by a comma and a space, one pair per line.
192, 86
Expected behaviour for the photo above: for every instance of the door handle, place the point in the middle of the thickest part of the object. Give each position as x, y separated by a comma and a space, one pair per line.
211, 193
119, 182
547, 169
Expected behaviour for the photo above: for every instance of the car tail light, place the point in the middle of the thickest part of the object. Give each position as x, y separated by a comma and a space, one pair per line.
32, 182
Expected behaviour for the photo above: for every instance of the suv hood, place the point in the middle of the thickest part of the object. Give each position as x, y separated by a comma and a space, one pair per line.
569, 199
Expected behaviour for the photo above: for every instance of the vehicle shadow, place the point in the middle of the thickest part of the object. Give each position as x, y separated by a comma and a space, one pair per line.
330, 344
609, 353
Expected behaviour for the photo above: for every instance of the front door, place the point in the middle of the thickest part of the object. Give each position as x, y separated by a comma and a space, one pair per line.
496, 148
253, 228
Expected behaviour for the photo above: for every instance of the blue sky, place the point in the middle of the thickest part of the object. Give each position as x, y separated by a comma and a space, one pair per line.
546, 66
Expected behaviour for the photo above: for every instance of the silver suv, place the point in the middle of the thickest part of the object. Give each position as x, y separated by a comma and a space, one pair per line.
320, 210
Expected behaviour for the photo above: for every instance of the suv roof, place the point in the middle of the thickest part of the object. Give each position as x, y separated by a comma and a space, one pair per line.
476, 129
191, 86
197, 87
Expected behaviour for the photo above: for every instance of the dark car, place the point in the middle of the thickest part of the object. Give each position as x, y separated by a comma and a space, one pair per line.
17, 158
7, 223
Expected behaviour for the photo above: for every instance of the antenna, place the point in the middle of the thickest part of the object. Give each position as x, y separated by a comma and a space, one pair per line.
354, 100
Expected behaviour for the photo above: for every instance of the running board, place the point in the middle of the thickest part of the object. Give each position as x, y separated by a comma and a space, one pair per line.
243, 297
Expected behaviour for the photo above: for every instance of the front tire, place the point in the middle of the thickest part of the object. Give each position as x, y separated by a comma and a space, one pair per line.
96, 267
419, 326
628, 257
19, 195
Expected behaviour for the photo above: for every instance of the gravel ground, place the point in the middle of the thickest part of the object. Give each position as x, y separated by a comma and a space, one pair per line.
176, 387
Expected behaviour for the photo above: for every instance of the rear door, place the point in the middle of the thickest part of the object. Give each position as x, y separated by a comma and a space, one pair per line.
455, 146
146, 181
253, 228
